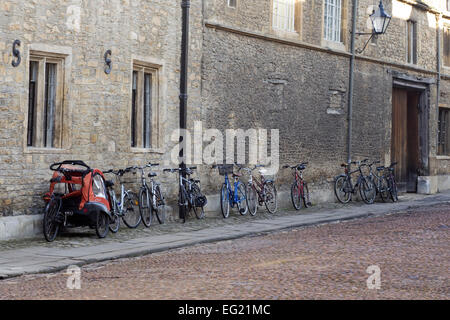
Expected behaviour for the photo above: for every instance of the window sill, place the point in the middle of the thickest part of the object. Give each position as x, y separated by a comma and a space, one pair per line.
286, 34
147, 150
442, 157
340, 46
45, 150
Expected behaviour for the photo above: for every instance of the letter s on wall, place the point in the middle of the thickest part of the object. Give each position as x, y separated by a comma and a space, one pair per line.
108, 65
16, 53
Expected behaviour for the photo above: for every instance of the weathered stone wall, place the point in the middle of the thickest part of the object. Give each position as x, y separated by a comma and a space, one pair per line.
254, 76
98, 104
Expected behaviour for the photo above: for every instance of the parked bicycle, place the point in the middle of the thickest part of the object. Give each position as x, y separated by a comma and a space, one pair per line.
190, 195
299, 188
344, 187
232, 195
260, 191
151, 199
126, 207
392, 184
379, 180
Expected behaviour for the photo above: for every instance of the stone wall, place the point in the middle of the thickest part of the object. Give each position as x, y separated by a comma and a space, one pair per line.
98, 105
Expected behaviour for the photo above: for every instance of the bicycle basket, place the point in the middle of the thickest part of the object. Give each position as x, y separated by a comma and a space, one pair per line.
201, 201
225, 169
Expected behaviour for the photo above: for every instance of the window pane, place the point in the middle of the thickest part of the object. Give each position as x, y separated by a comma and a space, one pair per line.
333, 20
147, 109
232, 3
134, 108
50, 103
447, 46
284, 15
32, 95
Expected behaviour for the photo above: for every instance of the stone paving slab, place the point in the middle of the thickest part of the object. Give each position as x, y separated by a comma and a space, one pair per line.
44, 257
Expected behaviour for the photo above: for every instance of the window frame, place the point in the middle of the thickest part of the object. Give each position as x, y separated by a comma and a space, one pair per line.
142, 69
412, 49
443, 139
446, 46
341, 11
38, 118
296, 16
232, 6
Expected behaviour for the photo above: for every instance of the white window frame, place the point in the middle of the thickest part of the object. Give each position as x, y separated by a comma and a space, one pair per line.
333, 20
283, 15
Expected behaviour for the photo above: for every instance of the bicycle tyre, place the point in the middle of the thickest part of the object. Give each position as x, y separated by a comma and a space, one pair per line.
271, 201
145, 207
367, 190
198, 211
252, 200
51, 227
242, 205
224, 201
101, 224
393, 190
296, 197
340, 183
160, 209
131, 203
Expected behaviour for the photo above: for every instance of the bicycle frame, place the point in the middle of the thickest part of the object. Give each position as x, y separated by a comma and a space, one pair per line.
233, 196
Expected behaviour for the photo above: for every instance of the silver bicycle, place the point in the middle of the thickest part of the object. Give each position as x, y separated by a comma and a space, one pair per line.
126, 207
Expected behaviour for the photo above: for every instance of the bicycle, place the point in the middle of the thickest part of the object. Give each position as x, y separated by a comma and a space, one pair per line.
128, 206
379, 180
260, 191
230, 197
299, 188
190, 195
151, 199
344, 188
392, 184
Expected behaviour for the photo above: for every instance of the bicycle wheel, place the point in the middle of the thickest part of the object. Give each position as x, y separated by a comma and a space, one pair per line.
199, 211
252, 200
306, 199
342, 189
114, 223
384, 188
296, 196
51, 225
393, 189
102, 224
145, 207
271, 197
160, 206
367, 190
224, 201
131, 217
242, 199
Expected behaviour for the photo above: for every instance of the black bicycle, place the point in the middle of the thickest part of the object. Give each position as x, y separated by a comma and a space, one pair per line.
379, 180
344, 187
190, 195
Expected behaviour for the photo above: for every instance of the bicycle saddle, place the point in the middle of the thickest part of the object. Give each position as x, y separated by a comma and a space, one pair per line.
152, 175
380, 168
237, 174
301, 167
109, 183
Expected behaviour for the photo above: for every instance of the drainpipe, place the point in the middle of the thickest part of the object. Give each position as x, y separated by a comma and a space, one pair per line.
438, 61
185, 5
351, 82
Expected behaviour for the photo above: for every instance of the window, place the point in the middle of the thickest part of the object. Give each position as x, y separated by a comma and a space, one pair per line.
447, 46
333, 20
232, 3
143, 98
448, 5
45, 102
443, 134
286, 15
411, 34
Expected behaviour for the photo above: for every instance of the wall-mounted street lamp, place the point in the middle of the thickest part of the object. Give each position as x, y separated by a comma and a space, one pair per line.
380, 22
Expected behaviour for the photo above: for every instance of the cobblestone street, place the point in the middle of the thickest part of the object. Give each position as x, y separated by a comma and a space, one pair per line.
321, 262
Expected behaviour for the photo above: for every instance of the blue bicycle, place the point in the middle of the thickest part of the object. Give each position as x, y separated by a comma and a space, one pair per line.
231, 196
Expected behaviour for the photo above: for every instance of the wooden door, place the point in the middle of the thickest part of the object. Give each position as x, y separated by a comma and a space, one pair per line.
405, 138
399, 136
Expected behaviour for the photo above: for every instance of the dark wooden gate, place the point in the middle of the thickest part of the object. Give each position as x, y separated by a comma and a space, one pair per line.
405, 145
